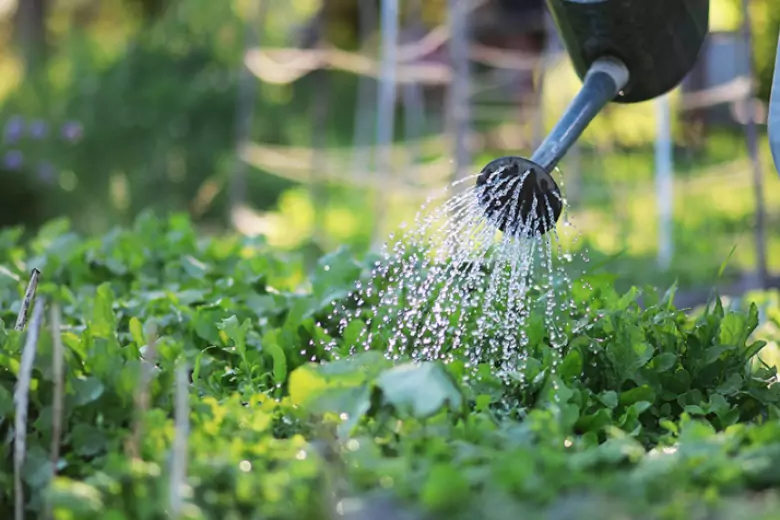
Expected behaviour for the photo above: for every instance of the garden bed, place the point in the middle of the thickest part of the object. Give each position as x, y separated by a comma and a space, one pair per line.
651, 413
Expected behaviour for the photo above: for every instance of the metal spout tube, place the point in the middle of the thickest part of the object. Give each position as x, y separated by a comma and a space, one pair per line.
602, 83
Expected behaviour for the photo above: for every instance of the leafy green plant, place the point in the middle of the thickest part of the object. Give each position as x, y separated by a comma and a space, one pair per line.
646, 412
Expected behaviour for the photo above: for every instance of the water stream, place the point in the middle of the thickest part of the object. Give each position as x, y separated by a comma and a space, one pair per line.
451, 286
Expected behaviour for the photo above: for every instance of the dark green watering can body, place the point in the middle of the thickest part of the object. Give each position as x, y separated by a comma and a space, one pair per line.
658, 40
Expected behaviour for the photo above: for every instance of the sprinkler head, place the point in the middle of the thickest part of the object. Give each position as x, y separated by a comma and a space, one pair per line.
519, 197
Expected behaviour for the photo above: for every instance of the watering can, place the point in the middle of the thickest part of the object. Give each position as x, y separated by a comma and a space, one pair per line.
624, 51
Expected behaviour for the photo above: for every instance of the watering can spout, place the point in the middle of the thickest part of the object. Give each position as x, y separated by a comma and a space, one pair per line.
625, 51
603, 82
535, 203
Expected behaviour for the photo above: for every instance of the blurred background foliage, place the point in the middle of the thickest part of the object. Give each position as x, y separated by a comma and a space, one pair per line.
110, 107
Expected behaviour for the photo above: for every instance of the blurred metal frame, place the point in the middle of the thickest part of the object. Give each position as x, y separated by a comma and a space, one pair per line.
774, 111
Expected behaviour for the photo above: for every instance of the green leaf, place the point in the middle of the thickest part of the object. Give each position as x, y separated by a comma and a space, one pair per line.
360, 367
753, 349
205, 325
718, 309
265, 304
572, 365
37, 469
87, 440
630, 352
732, 331
137, 331
194, 267
335, 272
664, 361
103, 323
609, 398
731, 385
712, 354
350, 403
627, 299
196, 368
6, 402
695, 410
420, 390
613, 451
640, 393
235, 331
353, 332
725, 262
630, 420
270, 344
669, 426
87, 390
650, 296
305, 383
569, 414
594, 422
752, 320
668, 298
482, 402
683, 378
718, 405
238, 334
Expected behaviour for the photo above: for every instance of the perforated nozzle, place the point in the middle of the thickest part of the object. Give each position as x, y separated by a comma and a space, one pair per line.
535, 194
519, 197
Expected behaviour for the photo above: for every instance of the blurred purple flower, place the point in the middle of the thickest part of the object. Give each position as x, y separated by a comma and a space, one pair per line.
14, 128
72, 131
13, 160
46, 172
38, 129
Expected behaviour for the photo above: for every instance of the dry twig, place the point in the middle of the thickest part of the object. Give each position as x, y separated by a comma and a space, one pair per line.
29, 296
